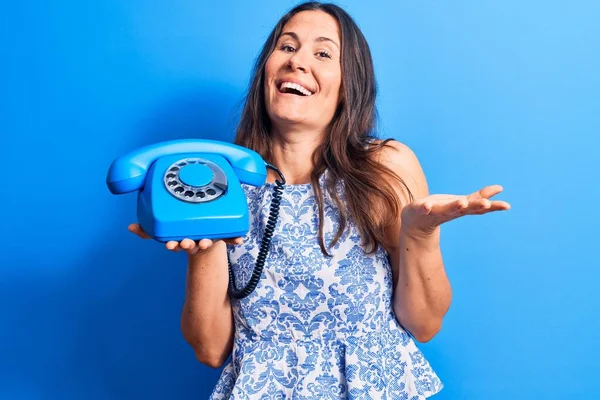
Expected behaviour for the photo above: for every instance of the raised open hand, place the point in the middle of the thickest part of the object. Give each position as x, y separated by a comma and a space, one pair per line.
423, 216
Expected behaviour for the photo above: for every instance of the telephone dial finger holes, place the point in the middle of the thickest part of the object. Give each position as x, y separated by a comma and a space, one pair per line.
195, 180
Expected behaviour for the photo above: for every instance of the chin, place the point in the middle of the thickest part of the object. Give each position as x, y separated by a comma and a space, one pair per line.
289, 117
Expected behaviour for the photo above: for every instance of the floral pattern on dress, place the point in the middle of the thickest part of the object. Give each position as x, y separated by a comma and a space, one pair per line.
317, 327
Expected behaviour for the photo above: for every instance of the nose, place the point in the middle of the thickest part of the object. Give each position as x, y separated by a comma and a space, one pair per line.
297, 62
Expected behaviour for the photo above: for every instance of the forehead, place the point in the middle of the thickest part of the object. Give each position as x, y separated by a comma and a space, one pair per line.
310, 24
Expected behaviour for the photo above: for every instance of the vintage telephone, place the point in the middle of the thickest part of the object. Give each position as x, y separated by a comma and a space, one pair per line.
192, 189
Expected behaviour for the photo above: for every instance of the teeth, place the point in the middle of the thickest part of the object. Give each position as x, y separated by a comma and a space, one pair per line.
297, 87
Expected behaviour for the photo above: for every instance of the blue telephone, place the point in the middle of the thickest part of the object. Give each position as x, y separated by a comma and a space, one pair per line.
192, 189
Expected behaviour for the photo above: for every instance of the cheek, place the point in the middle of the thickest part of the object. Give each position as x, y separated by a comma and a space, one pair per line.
273, 64
334, 84
269, 72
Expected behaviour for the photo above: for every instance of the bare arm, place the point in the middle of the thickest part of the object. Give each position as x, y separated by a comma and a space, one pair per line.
206, 317
422, 292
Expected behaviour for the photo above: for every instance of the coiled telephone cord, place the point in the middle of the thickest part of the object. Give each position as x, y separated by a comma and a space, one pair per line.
264, 247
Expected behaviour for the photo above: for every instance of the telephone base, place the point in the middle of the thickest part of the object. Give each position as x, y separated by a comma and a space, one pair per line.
231, 235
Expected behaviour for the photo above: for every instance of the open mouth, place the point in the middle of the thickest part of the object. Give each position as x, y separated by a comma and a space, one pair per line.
294, 88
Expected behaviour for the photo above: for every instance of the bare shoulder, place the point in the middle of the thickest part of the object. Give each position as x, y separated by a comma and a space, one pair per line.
403, 161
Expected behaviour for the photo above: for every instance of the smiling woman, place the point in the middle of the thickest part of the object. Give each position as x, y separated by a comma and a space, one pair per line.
305, 61
354, 274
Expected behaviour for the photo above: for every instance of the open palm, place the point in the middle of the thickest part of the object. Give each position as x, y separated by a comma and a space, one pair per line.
424, 215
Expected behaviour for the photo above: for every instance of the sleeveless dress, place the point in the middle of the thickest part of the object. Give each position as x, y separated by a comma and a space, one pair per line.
316, 327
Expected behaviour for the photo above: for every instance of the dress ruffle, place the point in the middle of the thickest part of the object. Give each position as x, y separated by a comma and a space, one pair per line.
383, 364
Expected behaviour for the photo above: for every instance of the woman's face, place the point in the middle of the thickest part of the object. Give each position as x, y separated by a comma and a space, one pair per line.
303, 74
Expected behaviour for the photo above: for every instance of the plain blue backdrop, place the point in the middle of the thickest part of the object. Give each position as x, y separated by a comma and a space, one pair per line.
484, 92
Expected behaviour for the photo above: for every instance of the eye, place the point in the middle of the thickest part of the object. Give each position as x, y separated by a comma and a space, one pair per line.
324, 54
288, 48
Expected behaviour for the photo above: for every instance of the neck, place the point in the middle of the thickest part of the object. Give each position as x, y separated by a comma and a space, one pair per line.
292, 153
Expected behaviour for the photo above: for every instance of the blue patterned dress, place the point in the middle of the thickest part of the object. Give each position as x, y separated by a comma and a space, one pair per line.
317, 327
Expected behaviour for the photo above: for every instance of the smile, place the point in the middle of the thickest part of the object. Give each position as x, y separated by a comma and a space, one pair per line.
294, 88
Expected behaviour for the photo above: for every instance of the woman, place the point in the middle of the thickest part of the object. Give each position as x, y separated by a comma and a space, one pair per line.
354, 273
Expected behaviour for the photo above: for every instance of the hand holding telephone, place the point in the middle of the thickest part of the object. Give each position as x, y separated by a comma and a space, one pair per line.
192, 189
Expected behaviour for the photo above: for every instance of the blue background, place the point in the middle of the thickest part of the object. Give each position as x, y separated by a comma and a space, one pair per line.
483, 91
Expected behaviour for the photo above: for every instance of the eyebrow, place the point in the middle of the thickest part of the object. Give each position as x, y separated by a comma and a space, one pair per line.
319, 39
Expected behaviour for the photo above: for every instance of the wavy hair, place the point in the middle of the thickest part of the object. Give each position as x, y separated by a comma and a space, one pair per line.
348, 150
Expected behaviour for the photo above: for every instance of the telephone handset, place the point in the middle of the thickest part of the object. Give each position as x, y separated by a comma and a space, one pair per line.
192, 189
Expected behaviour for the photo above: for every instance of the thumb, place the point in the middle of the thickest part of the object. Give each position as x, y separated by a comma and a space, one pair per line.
137, 230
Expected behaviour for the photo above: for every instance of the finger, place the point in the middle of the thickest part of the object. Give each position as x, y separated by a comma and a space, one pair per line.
189, 246
461, 205
453, 208
442, 212
173, 246
465, 206
204, 244
494, 206
425, 208
500, 205
477, 206
137, 229
235, 241
487, 192
480, 204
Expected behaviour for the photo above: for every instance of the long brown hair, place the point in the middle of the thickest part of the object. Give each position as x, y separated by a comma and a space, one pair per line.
348, 150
